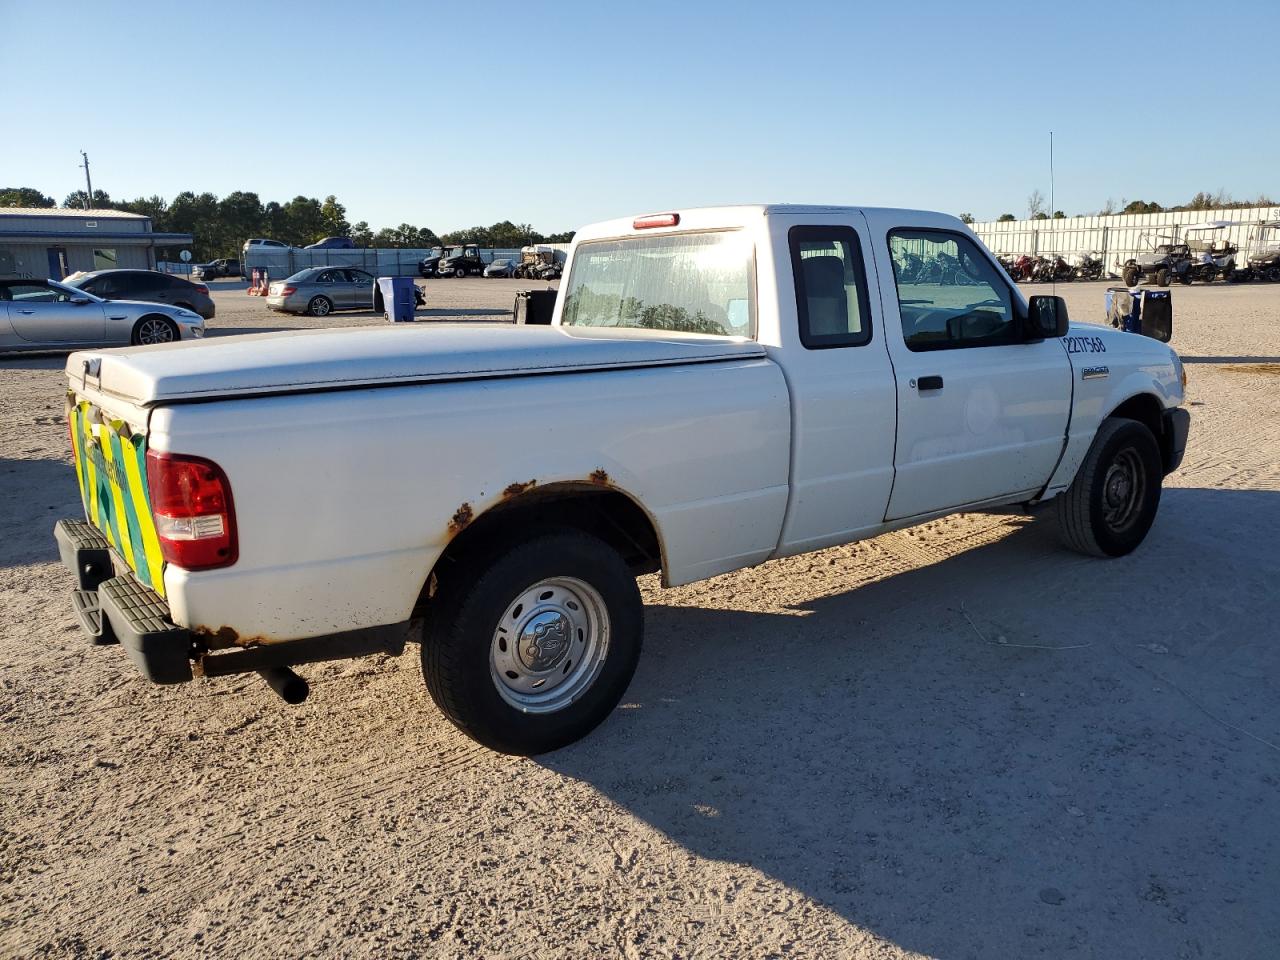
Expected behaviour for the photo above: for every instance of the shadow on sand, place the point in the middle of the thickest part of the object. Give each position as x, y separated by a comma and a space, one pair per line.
893, 754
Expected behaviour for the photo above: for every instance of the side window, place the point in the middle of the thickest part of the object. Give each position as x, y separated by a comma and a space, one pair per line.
831, 287
949, 294
326, 277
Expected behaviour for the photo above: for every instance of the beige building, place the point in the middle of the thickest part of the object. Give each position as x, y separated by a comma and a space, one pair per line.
51, 243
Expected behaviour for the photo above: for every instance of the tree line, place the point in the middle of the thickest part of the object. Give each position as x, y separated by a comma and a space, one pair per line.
220, 226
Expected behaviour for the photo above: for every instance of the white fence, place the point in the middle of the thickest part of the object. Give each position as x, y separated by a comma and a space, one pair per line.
1119, 237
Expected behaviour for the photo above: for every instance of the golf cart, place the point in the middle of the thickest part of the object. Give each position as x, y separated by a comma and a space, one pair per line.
1168, 260
1263, 251
1214, 254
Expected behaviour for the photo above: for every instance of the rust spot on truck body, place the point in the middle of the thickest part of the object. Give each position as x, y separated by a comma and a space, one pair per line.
599, 477
515, 489
461, 519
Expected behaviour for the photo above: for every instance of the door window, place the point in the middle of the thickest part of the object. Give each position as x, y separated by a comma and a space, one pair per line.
949, 294
104, 259
831, 287
34, 291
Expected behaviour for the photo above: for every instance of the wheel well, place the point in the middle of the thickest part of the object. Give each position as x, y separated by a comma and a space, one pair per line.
605, 513
1146, 409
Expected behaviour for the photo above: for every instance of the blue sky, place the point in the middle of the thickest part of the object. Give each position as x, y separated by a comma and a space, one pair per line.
561, 112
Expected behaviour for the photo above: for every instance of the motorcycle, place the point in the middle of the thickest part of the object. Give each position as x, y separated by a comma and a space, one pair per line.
1089, 267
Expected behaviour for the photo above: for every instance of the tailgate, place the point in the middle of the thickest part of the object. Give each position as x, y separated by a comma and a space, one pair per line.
111, 466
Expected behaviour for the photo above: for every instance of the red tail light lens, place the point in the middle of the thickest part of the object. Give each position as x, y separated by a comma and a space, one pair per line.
288, 291
194, 514
656, 220
202, 289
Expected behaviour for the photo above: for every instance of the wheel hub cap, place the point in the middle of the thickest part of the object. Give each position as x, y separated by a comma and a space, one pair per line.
549, 644
544, 640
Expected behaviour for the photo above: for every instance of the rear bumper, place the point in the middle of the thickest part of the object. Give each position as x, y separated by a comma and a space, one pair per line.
115, 608
1177, 425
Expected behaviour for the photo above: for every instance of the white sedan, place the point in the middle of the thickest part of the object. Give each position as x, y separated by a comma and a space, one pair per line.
45, 315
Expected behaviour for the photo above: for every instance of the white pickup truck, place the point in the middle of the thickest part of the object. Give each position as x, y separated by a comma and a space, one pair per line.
718, 387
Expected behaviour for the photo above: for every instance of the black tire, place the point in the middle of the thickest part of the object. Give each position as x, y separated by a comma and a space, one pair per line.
319, 307
1131, 277
1273, 274
1097, 514
473, 597
1208, 274
1162, 277
1186, 277
145, 331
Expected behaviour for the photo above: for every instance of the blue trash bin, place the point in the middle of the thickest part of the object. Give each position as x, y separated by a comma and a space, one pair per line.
1141, 310
397, 298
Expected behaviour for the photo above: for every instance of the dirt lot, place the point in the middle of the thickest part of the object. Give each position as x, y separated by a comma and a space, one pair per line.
957, 740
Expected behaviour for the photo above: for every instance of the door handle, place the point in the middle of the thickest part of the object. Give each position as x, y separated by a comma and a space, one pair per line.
929, 383
27, 312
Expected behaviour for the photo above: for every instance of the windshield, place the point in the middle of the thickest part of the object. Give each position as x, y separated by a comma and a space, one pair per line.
688, 283
500, 263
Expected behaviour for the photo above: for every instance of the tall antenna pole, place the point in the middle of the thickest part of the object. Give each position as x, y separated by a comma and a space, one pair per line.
88, 197
1052, 211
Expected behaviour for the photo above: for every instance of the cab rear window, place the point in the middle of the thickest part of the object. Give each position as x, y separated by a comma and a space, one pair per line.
686, 283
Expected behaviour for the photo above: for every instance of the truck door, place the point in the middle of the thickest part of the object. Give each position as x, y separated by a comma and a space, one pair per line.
982, 413
840, 381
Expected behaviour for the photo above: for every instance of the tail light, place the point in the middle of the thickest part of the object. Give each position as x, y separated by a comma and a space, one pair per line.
194, 514
656, 220
288, 291
201, 288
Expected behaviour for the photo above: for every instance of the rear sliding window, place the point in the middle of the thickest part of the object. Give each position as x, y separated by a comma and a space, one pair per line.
687, 283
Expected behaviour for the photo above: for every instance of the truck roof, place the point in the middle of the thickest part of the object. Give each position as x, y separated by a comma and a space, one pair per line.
704, 218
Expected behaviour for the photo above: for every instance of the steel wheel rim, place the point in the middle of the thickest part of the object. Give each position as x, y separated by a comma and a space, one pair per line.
549, 645
155, 331
1123, 490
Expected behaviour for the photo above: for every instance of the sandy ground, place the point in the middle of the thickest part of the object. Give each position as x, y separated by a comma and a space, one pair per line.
958, 740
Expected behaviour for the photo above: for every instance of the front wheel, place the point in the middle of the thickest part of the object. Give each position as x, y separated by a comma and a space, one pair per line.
1130, 277
530, 649
1162, 277
150, 330
1111, 504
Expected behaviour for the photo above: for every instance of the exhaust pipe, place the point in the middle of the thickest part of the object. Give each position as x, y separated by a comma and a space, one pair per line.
291, 687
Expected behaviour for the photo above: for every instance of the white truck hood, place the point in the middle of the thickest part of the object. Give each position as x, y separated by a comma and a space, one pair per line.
292, 361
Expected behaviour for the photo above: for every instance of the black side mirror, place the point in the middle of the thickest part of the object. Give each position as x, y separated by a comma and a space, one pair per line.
1047, 317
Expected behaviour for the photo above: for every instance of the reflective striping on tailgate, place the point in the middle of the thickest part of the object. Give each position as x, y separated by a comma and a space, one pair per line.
111, 466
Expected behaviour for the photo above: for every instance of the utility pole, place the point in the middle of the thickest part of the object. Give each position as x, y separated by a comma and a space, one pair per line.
88, 199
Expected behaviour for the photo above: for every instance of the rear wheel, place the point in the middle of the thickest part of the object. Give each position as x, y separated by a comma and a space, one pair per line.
1273, 274
320, 307
460, 272
1186, 276
154, 329
1111, 504
530, 647
1162, 277
1208, 275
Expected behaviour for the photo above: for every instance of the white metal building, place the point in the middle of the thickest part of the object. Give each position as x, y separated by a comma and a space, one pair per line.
51, 243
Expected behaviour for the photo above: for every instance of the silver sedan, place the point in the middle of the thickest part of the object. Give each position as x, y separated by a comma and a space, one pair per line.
45, 315
319, 291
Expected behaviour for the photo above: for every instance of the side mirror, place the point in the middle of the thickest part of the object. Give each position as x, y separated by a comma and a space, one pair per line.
80, 301
1047, 317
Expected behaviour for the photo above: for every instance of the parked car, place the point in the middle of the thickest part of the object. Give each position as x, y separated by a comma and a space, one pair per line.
150, 285
332, 243
502, 267
495, 490
261, 244
216, 268
1213, 255
45, 315
319, 291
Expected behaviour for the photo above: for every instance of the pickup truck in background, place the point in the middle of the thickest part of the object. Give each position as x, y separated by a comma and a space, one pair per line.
718, 387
